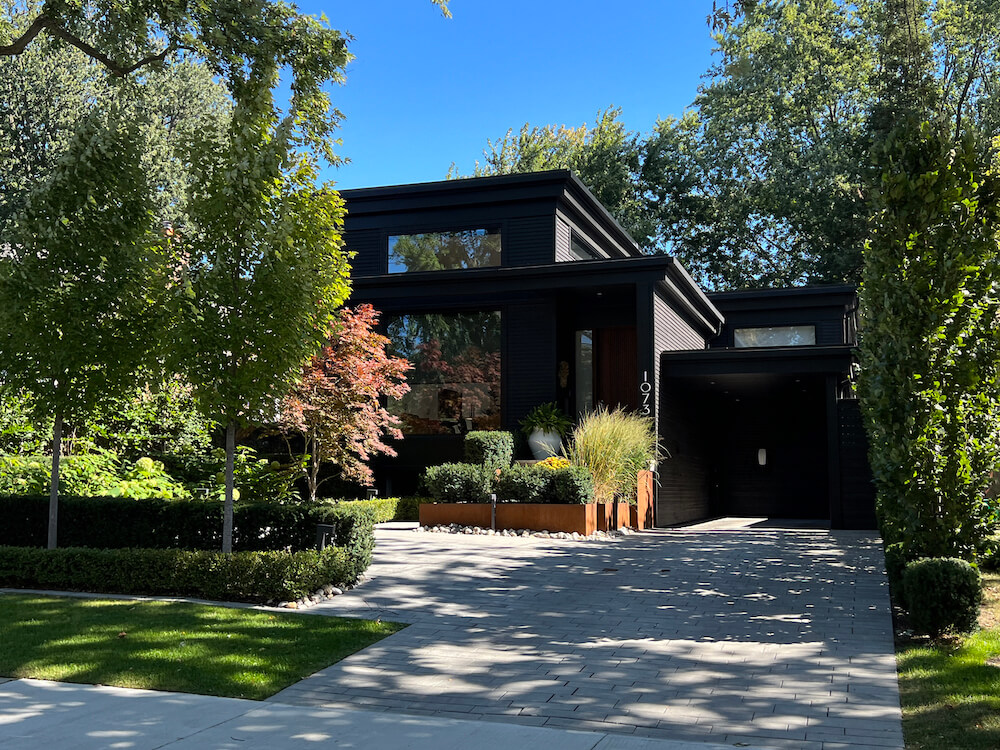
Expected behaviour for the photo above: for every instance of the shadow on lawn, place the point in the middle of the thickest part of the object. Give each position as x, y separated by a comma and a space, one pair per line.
170, 645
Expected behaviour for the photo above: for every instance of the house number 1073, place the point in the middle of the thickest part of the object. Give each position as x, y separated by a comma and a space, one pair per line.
646, 394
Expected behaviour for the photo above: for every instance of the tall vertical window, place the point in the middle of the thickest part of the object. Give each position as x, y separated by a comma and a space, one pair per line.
455, 380
584, 371
440, 251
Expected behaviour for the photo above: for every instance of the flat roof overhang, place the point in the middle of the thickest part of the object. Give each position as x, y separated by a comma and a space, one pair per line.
554, 184
660, 270
792, 360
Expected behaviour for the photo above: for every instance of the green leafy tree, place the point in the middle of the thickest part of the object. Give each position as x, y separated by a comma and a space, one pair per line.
606, 156
265, 272
48, 87
769, 178
930, 378
78, 288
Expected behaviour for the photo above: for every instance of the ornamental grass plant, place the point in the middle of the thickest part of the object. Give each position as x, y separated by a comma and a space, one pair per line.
615, 446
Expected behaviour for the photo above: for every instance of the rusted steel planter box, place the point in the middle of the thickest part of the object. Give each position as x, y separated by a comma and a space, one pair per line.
641, 514
612, 516
581, 519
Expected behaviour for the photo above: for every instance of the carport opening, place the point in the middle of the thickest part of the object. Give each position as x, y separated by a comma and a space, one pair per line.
746, 446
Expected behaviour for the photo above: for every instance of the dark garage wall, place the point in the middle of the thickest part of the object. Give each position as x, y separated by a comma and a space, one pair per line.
682, 491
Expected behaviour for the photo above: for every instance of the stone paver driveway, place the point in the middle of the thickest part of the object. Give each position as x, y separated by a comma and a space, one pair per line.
758, 638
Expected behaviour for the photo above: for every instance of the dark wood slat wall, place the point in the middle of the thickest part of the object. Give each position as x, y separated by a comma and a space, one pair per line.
857, 491
529, 359
791, 427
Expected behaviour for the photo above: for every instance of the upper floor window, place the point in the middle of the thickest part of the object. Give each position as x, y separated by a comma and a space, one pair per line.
582, 251
746, 338
439, 251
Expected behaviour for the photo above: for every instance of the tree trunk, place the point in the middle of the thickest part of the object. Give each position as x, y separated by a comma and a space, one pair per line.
314, 464
54, 485
227, 513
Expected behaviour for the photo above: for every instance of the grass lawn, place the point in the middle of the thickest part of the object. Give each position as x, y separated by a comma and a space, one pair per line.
950, 690
188, 648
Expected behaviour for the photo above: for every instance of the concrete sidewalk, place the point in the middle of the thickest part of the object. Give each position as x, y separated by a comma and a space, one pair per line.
38, 714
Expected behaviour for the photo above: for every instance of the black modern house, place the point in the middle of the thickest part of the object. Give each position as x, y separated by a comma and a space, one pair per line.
512, 291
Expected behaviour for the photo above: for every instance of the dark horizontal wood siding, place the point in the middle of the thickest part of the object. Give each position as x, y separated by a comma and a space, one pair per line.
370, 249
833, 313
682, 493
529, 359
529, 241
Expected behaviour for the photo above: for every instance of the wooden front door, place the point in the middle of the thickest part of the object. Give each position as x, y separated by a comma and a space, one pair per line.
615, 367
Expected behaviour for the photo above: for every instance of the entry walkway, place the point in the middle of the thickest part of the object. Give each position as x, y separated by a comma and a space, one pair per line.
753, 637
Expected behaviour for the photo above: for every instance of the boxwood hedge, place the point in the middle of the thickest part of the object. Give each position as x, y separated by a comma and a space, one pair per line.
266, 577
114, 522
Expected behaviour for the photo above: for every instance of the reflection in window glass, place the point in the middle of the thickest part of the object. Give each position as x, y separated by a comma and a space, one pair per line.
745, 338
455, 380
438, 251
584, 371
580, 251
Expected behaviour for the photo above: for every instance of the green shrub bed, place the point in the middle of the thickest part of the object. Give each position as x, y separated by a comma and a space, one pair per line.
264, 577
493, 449
388, 508
471, 483
114, 523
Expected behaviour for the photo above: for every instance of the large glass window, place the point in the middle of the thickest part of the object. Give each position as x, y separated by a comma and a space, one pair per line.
455, 380
438, 251
746, 338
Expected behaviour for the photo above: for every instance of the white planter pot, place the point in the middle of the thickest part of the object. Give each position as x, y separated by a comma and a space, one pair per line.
544, 444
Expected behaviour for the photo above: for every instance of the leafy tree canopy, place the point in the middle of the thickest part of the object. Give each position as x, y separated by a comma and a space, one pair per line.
768, 179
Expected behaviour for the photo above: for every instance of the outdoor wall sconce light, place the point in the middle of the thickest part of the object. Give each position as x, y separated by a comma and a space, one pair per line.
762, 456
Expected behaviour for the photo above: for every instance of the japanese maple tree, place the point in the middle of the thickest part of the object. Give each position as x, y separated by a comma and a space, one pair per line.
337, 405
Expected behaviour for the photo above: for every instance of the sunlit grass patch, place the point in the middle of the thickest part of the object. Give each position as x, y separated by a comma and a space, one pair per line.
177, 646
950, 689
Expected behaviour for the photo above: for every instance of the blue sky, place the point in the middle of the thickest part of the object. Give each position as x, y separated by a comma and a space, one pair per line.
425, 91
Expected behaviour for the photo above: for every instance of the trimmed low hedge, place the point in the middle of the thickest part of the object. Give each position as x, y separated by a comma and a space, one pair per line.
469, 483
493, 449
525, 484
572, 485
115, 523
388, 508
459, 483
264, 577
942, 594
